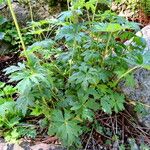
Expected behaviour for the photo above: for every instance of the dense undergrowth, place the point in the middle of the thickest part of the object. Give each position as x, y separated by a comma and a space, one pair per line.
70, 73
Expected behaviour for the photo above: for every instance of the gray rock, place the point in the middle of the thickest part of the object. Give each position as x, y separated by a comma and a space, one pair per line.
141, 92
41, 146
40, 9
145, 33
21, 13
46, 147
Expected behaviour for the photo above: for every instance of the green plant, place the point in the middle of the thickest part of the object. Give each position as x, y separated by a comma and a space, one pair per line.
145, 4
11, 125
2, 21
7, 105
68, 85
9, 33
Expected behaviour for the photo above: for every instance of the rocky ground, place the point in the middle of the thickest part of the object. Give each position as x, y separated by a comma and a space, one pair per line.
141, 92
26, 146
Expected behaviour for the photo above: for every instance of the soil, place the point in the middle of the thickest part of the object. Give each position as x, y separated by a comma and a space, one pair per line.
6, 61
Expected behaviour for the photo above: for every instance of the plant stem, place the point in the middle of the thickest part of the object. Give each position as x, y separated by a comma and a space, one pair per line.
134, 103
43, 98
16, 24
127, 72
106, 49
68, 4
31, 13
93, 17
89, 139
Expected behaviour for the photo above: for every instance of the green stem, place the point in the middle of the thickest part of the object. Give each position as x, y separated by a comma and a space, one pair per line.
68, 4
43, 98
108, 44
127, 72
31, 12
93, 17
16, 24
106, 49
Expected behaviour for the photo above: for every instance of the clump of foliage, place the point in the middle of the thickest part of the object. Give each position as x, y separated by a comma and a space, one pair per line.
146, 6
8, 34
134, 5
2, 21
10, 117
68, 77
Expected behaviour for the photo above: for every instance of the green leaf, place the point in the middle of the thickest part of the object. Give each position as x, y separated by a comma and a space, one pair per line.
107, 27
2, 34
87, 114
85, 76
90, 55
2, 84
12, 69
23, 102
37, 46
2, 20
106, 105
65, 127
140, 109
129, 80
92, 104
98, 128
117, 102
9, 90
71, 33
68, 15
146, 60
6, 107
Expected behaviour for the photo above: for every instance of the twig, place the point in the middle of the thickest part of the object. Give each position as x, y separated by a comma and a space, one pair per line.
122, 129
89, 139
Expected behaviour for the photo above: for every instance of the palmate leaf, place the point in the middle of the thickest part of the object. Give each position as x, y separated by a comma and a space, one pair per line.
24, 101
85, 109
12, 69
66, 15
112, 102
90, 55
129, 80
107, 27
85, 76
86, 106
71, 33
64, 127
45, 44
6, 107
117, 102
105, 103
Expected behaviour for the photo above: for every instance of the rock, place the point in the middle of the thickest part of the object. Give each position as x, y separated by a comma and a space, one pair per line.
21, 12
145, 33
41, 146
40, 9
141, 92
